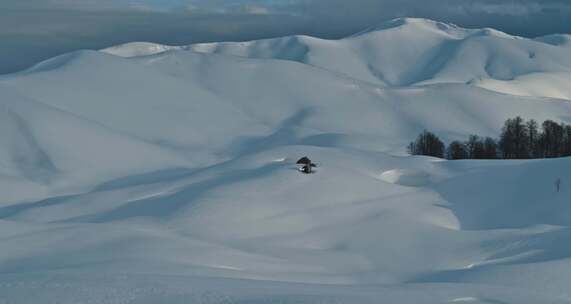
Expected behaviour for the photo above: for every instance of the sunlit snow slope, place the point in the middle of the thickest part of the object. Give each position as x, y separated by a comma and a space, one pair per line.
167, 174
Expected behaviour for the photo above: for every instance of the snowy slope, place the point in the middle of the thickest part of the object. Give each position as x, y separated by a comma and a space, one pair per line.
171, 178
46, 148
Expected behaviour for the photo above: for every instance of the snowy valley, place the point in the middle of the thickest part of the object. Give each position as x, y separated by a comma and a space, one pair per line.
146, 173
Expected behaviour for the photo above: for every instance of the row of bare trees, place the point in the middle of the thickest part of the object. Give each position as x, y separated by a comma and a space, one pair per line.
519, 139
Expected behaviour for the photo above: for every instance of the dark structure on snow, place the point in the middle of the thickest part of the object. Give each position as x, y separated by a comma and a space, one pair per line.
307, 165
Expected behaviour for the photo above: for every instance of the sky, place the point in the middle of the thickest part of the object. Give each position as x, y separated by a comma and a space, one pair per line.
35, 30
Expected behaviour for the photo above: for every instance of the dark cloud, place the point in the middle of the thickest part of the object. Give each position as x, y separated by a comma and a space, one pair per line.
34, 30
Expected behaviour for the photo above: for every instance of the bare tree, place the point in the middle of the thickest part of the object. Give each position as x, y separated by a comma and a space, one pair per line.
427, 144
457, 150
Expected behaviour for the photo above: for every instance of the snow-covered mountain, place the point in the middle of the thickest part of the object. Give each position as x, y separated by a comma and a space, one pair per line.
408, 51
156, 174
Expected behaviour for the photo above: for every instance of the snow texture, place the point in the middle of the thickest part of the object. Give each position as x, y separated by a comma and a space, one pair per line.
153, 174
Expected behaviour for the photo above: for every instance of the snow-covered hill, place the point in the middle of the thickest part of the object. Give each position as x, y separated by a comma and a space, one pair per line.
410, 51
167, 174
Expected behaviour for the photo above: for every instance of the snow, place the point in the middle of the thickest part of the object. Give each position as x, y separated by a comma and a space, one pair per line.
405, 177
409, 51
134, 49
168, 174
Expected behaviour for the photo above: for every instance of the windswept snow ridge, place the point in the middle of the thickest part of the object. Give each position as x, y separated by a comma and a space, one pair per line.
412, 178
135, 49
167, 174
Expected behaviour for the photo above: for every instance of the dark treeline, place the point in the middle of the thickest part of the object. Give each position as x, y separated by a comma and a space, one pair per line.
519, 139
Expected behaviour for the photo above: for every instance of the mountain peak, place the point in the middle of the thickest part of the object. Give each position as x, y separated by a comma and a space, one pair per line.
421, 25
412, 23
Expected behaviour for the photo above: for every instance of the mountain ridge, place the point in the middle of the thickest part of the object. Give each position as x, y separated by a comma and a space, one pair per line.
408, 51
